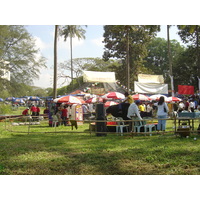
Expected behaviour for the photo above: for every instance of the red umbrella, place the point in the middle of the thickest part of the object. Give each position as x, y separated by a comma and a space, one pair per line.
110, 103
141, 97
175, 99
114, 95
94, 100
157, 97
80, 98
68, 99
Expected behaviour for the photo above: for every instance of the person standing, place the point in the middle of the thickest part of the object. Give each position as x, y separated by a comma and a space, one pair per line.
133, 113
141, 109
91, 108
191, 106
85, 111
37, 111
162, 114
149, 110
33, 110
181, 106
64, 115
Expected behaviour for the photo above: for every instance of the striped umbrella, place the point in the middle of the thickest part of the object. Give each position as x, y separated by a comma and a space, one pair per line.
175, 99
94, 100
68, 99
114, 95
141, 97
110, 103
156, 97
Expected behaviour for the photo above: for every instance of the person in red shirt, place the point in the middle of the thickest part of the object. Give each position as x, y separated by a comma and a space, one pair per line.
64, 116
25, 115
25, 112
33, 110
37, 111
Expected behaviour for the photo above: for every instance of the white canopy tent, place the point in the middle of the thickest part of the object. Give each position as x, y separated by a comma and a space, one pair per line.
150, 84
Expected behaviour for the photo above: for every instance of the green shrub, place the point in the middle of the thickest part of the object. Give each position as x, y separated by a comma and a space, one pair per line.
5, 109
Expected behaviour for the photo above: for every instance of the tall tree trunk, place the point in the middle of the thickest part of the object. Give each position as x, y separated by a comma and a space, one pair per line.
55, 63
128, 62
170, 61
198, 59
71, 60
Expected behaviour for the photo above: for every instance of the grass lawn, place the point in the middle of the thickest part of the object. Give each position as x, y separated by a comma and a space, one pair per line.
73, 153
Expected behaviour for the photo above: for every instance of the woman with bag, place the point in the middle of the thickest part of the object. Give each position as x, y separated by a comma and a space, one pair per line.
162, 113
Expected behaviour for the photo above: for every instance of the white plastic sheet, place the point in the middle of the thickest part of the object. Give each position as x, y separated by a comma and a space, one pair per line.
150, 88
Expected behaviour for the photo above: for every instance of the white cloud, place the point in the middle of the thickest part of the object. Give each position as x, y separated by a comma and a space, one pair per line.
44, 81
98, 41
66, 44
40, 44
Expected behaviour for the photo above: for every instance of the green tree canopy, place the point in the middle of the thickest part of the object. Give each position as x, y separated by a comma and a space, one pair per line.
157, 58
115, 39
18, 47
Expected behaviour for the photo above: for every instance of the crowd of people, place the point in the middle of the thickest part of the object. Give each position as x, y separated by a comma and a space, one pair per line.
137, 109
160, 109
33, 111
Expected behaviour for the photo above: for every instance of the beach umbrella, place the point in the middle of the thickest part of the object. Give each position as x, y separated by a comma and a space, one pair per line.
156, 97
141, 97
10, 98
18, 100
110, 103
49, 98
80, 98
174, 99
34, 98
114, 95
68, 99
94, 100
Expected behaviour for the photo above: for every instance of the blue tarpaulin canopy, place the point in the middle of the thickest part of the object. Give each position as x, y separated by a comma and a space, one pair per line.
10, 98
18, 100
34, 98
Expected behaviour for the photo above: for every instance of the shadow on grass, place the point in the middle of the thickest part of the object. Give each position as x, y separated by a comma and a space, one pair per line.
73, 154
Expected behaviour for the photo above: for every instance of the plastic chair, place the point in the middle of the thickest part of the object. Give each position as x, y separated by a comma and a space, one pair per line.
120, 125
54, 120
148, 126
138, 125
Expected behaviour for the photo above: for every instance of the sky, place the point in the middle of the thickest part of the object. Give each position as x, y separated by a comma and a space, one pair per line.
39, 18
92, 46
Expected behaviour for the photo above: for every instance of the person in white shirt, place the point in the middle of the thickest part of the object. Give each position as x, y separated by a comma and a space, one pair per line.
181, 106
162, 113
133, 112
91, 108
191, 106
149, 110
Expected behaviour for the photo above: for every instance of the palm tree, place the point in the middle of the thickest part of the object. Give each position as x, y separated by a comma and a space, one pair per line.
55, 62
72, 31
170, 61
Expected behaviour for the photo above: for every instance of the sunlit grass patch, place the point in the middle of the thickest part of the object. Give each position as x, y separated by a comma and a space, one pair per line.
43, 151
